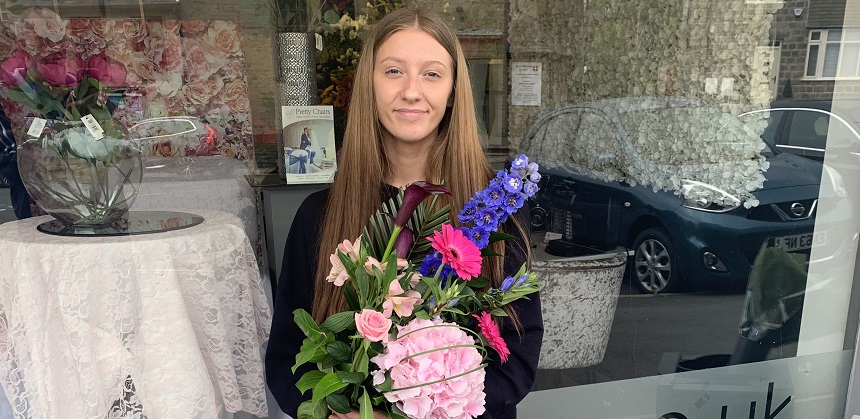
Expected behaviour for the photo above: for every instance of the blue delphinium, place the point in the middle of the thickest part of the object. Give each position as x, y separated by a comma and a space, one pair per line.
431, 264
505, 195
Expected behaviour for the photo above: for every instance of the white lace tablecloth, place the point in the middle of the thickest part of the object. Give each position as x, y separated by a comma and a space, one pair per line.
165, 325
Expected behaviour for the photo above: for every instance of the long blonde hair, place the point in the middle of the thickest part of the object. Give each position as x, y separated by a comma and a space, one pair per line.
456, 155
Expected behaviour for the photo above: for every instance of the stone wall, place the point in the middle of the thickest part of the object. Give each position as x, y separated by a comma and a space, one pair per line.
598, 49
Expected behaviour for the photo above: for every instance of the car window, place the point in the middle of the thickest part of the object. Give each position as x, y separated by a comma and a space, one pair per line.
808, 129
555, 143
598, 142
685, 135
769, 132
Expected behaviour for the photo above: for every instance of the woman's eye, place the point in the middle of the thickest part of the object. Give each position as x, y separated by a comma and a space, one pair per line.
433, 74
392, 71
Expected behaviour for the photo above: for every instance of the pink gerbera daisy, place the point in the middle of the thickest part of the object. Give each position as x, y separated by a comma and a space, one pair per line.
458, 251
491, 333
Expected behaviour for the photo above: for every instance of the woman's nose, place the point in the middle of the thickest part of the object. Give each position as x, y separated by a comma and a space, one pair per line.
412, 90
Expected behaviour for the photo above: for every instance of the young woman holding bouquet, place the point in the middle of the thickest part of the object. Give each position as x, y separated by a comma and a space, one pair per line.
412, 119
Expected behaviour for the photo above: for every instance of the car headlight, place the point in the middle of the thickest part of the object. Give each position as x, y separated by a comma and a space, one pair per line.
706, 197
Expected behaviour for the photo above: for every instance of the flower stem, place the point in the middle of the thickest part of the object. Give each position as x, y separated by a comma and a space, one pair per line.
391, 240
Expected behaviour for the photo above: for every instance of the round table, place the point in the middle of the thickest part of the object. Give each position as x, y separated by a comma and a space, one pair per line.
167, 324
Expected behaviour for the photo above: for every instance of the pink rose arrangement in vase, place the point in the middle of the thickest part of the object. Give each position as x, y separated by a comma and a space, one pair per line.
75, 160
415, 339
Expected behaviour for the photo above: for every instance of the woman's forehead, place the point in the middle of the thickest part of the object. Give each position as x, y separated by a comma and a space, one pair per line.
415, 45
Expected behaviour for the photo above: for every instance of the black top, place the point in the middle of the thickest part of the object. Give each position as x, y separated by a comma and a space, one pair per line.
505, 384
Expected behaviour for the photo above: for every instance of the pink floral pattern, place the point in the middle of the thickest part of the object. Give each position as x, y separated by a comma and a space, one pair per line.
188, 68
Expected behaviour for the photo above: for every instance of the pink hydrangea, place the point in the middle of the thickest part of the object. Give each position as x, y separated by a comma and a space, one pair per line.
460, 397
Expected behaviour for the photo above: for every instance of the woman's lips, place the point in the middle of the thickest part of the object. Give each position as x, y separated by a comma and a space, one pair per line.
410, 113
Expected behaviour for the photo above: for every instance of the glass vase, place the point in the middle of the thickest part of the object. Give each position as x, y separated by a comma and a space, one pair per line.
81, 178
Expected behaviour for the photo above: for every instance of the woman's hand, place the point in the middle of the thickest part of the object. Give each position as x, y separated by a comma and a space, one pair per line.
355, 415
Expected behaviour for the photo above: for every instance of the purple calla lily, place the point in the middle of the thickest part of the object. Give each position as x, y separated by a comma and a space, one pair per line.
403, 243
414, 195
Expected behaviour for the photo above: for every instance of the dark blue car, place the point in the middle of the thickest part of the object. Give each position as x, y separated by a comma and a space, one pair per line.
690, 190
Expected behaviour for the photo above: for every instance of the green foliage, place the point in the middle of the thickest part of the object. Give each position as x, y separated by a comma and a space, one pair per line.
339, 322
309, 380
327, 385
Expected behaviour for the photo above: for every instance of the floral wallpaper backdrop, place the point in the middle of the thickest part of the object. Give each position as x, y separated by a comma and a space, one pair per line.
173, 68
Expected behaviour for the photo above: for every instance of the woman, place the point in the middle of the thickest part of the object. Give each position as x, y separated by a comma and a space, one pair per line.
412, 118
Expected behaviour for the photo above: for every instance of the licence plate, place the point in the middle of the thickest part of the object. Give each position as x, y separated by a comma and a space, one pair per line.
799, 241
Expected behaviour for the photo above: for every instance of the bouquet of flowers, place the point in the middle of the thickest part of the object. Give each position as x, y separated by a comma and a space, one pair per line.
62, 86
415, 339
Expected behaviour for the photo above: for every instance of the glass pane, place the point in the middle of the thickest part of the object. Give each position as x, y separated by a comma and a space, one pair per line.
812, 61
834, 35
852, 34
809, 129
831, 59
848, 64
815, 36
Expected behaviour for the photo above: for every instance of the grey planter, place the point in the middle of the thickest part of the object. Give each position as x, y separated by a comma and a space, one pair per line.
578, 298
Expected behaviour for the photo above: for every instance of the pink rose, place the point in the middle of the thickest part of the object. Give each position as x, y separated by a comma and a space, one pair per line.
241, 105
199, 92
46, 23
60, 70
107, 71
14, 69
79, 28
163, 148
201, 60
134, 30
373, 325
192, 26
162, 48
171, 26
234, 90
224, 36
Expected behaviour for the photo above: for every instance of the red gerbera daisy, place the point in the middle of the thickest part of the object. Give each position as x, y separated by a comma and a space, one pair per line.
458, 251
491, 333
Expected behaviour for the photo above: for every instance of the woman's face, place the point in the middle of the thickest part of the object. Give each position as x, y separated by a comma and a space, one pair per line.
413, 78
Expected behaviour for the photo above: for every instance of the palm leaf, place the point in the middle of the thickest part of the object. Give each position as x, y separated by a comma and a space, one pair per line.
424, 224
382, 225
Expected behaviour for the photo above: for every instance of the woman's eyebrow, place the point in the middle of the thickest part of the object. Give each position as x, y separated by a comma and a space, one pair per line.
402, 61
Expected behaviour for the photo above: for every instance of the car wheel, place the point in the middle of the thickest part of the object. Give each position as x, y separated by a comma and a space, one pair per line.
653, 268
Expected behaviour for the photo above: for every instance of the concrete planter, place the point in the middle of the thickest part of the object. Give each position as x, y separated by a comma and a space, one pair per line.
578, 297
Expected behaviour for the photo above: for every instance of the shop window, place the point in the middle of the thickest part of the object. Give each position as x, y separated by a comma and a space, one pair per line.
833, 54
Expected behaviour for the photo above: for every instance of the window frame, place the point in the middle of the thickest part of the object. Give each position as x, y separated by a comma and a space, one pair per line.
822, 44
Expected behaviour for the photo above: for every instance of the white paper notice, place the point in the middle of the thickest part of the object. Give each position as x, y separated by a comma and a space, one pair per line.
93, 127
727, 86
36, 128
711, 85
526, 84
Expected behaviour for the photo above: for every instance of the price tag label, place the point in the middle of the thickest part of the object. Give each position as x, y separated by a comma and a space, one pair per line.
319, 41
93, 127
36, 128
